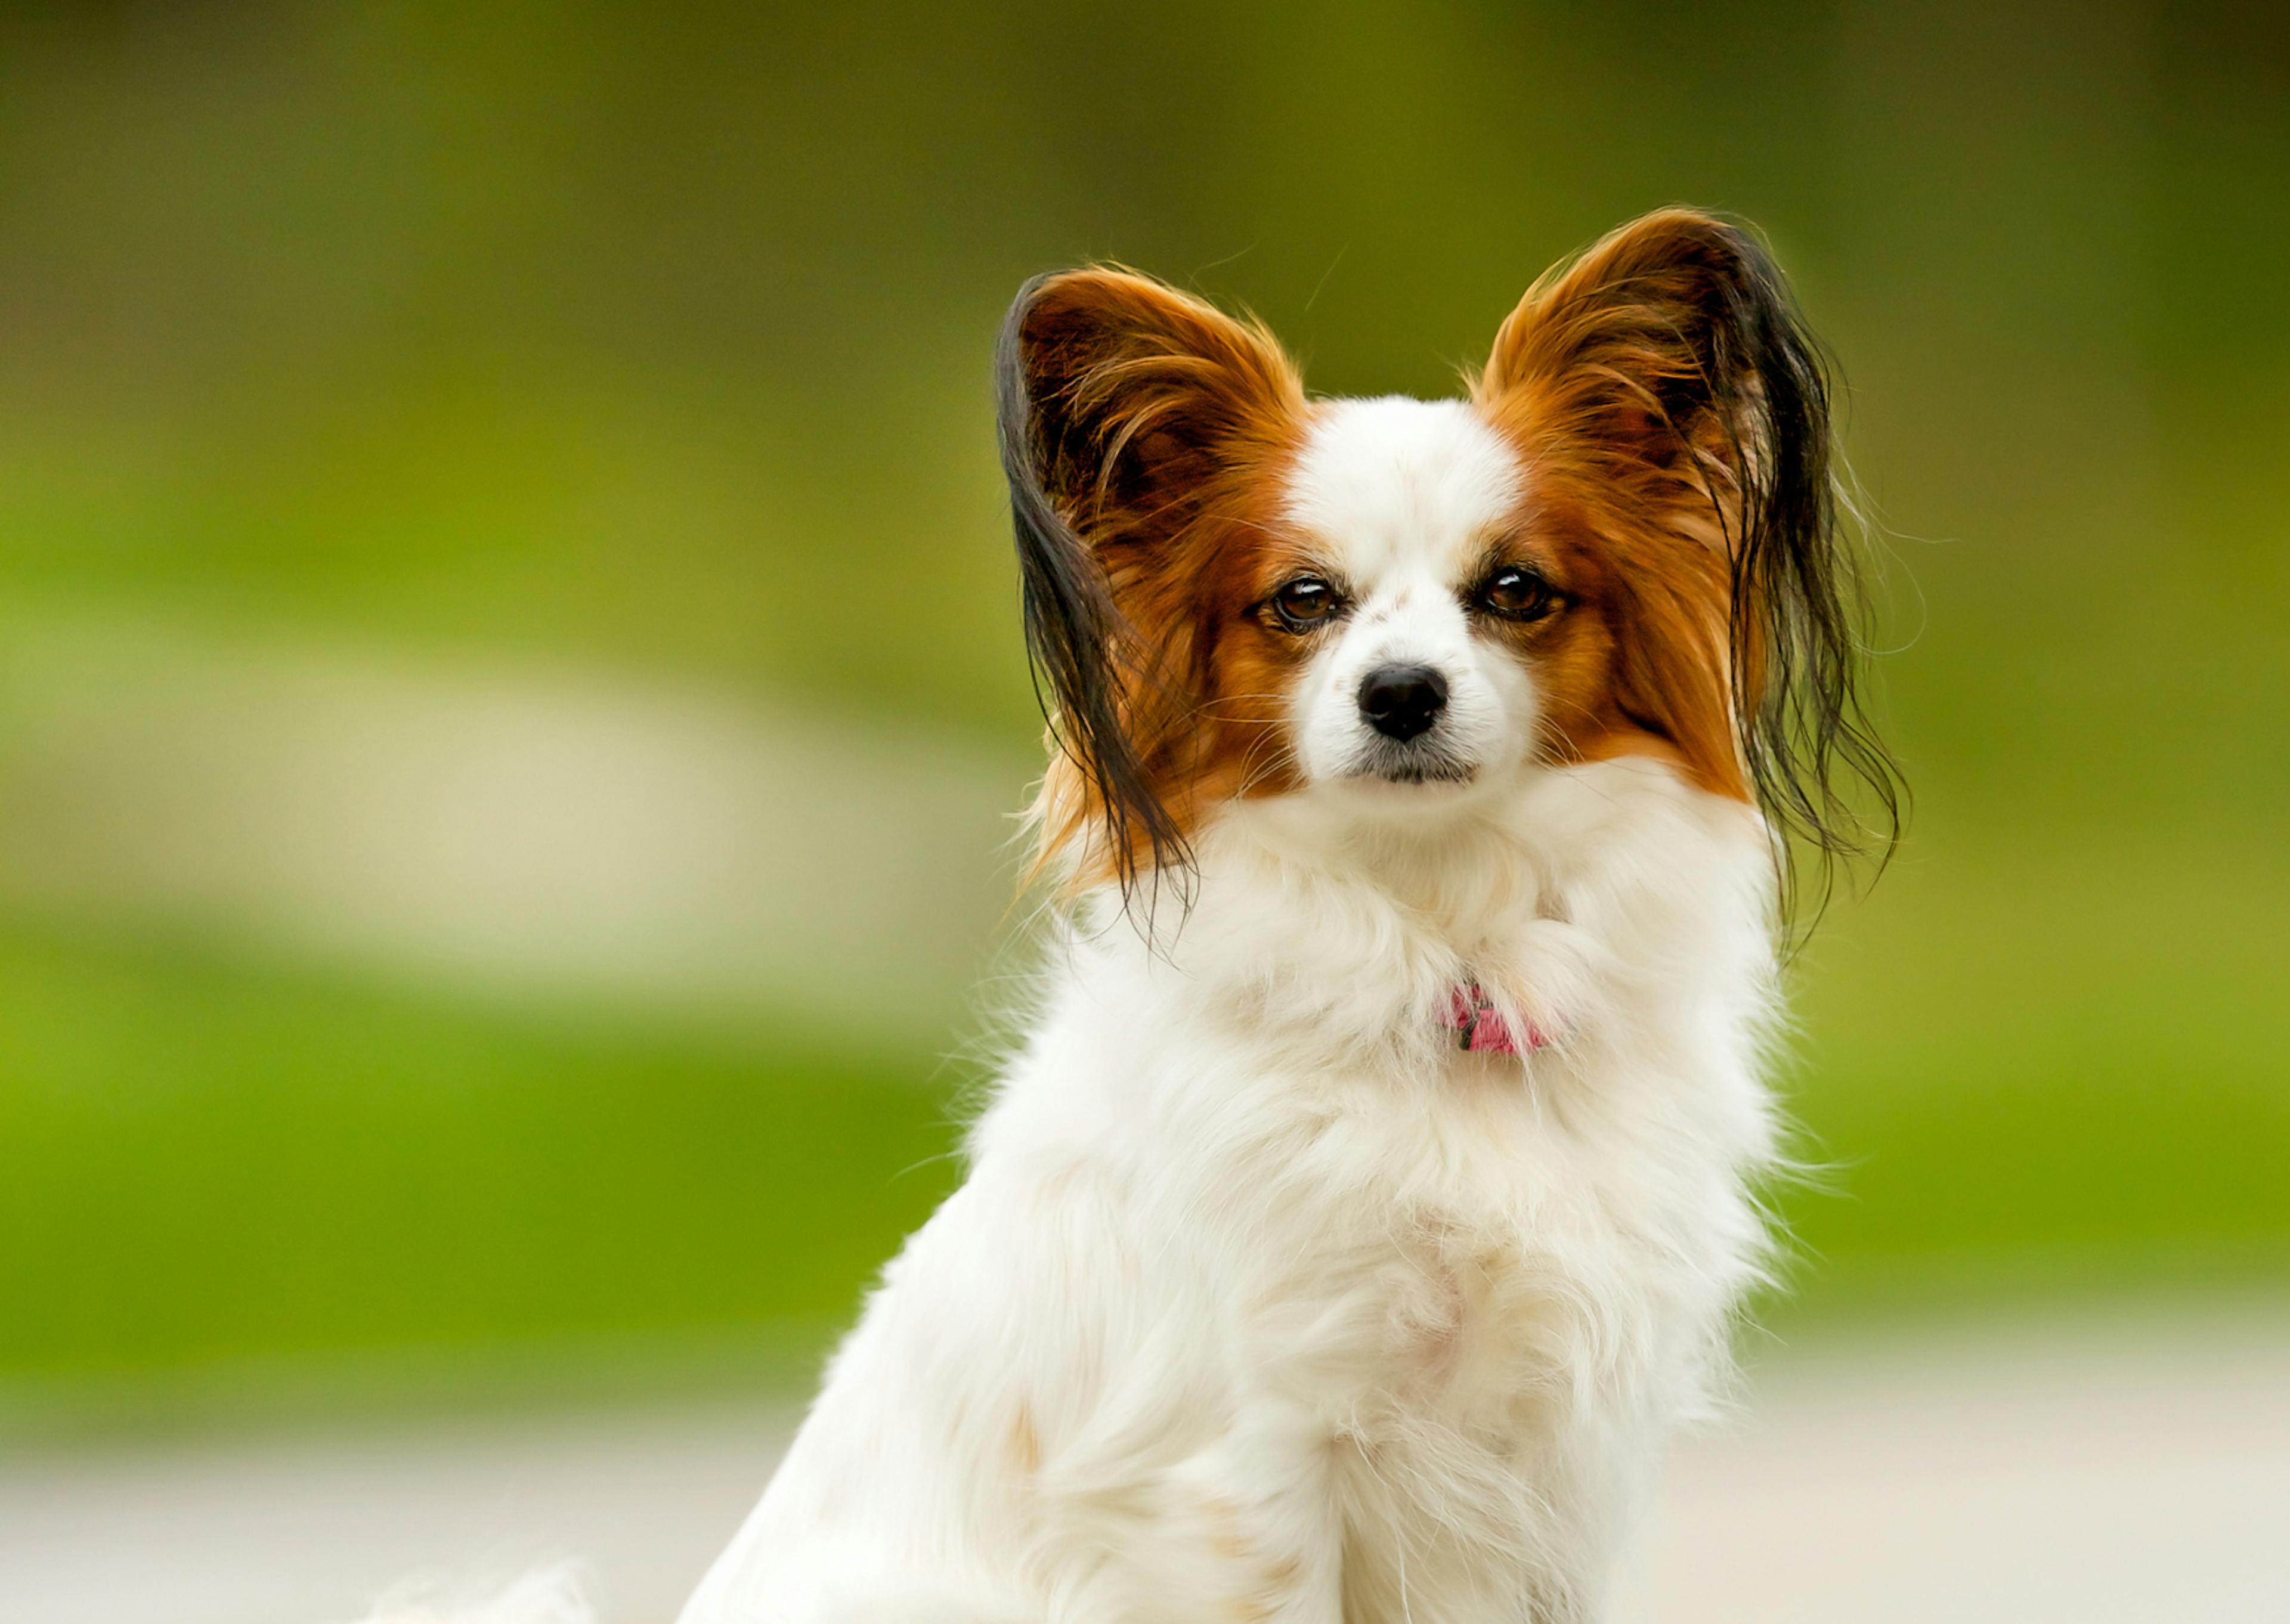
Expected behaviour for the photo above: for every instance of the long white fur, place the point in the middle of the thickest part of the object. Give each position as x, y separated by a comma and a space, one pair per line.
1261, 1303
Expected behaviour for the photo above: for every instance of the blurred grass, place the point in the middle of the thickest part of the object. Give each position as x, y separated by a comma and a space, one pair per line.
2031, 1075
207, 1157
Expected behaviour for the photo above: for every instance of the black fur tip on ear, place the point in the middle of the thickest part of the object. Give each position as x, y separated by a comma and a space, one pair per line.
1800, 614
1073, 627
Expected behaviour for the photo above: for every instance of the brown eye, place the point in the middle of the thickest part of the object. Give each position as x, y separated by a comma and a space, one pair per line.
1304, 602
1517, 594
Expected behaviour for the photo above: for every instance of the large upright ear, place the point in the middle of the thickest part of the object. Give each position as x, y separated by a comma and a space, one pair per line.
1672, 357
1130, 416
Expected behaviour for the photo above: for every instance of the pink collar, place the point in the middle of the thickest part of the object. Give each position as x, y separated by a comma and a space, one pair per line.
1480, 1029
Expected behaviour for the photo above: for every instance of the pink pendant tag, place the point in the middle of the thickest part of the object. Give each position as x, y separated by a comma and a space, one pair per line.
1480, 1029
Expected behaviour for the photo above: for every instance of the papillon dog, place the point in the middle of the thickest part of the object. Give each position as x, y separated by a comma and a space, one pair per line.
1374, 1190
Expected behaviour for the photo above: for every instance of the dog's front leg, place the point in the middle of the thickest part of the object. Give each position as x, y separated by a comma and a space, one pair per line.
1243, 1530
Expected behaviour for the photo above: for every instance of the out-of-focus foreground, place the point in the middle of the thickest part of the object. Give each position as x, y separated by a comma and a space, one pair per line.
509, 683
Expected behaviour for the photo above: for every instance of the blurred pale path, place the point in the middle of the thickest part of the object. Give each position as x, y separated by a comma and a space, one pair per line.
2107, 1476
512, 827
2098, 1473
313, 1533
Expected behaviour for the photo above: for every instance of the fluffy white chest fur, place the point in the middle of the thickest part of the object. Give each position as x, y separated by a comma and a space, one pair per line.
1263, 1301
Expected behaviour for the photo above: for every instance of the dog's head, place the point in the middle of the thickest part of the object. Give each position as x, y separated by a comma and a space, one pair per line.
1624, 542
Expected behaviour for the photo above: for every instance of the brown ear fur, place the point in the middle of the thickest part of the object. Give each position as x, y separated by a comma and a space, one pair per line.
1666, 382
1136, 425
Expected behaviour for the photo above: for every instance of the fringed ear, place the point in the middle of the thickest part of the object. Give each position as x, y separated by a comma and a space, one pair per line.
1672, 353
1130, 414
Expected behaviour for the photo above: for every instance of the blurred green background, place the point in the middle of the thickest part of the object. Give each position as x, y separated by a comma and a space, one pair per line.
509, 677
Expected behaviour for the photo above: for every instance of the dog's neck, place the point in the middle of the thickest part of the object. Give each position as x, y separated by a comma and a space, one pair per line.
1327, 928
1451, 870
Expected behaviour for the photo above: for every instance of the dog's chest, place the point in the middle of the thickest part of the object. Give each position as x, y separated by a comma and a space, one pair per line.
1462, 1257
1478, 1318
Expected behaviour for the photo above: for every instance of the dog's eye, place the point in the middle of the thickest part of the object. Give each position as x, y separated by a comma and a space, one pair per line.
1304, 602
1517, 594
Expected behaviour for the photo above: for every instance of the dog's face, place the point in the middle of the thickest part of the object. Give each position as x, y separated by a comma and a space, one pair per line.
1403, 605
1622, 543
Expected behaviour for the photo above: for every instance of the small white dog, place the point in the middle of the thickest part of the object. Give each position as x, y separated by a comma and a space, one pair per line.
1371, 1197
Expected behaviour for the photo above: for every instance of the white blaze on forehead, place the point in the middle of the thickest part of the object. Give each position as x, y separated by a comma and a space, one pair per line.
1396, 481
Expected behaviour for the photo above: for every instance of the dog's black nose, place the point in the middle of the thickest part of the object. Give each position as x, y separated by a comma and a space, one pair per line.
1400, 702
